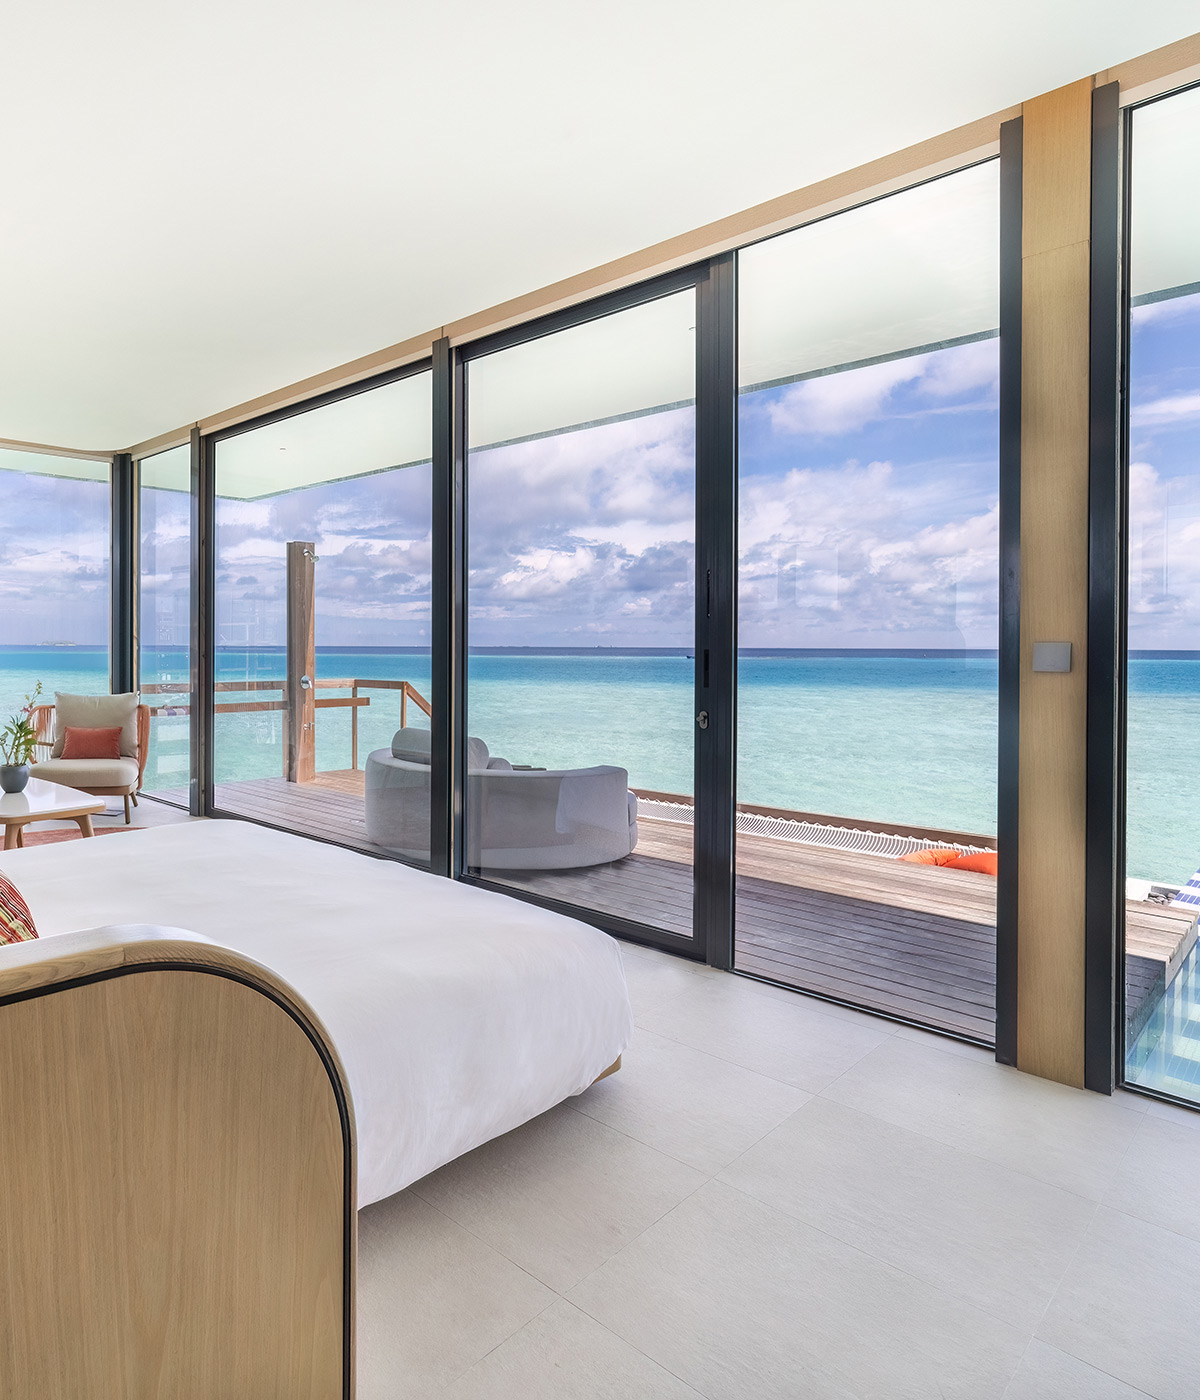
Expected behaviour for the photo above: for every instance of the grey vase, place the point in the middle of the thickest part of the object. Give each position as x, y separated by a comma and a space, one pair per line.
14, 776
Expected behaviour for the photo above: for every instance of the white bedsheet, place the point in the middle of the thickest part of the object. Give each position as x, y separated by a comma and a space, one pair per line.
459, 1014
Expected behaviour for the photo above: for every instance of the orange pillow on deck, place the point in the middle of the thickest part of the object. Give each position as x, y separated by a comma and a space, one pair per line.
92, 743
982, 861
934, 856
16, 922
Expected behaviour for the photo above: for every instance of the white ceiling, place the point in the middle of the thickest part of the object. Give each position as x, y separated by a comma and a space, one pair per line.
204, 202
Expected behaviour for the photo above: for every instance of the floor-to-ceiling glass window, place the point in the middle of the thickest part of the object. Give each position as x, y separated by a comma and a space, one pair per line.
581, 490
164, 620
868, 605
1162, 831
54, 577
322, 618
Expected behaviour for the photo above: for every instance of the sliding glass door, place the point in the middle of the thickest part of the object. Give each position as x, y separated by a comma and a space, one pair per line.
581, 528
1162, 825
868, 605
322, 614
164, 624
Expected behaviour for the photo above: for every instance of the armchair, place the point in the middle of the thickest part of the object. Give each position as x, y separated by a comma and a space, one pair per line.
101, 777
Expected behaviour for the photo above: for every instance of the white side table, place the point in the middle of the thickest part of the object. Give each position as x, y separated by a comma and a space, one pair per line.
45, 802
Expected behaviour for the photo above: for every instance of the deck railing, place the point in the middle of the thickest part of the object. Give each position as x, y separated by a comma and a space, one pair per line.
353, 702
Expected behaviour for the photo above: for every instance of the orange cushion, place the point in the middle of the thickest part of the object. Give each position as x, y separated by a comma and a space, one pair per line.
92, 743
16, 922
982, 861
934, 856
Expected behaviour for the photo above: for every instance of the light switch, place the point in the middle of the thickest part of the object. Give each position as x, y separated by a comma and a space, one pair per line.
1052, 656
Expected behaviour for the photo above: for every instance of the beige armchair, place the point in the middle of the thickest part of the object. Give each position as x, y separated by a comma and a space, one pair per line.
101, 777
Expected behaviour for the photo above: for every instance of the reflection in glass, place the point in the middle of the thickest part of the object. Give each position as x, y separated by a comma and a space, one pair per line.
54, 577
164, 633
581, 492
322, 603
1162, 832
868, 605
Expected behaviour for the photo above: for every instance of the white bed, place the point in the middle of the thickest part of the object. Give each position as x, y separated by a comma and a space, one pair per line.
458, 1014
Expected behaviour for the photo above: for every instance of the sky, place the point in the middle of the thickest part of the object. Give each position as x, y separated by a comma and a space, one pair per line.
53, 559
1164, 483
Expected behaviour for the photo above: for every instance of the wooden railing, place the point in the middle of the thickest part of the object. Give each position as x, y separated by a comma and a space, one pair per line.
353, 702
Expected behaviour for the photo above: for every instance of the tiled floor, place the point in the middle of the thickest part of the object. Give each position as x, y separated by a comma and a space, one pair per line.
777, 1199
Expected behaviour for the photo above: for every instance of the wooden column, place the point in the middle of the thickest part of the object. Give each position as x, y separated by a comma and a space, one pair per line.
300, 715
1054, 577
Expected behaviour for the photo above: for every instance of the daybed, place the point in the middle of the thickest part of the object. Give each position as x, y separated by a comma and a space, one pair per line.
517, 818
449, 1014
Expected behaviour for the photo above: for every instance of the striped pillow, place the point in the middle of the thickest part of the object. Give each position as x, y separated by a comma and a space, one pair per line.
16, 922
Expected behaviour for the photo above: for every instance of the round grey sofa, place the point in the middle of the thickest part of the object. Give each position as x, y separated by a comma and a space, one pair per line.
516, 818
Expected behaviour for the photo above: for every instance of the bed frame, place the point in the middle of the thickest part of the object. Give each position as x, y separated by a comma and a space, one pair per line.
177, 1177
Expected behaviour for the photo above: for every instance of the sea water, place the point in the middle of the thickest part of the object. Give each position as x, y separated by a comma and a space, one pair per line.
906, 739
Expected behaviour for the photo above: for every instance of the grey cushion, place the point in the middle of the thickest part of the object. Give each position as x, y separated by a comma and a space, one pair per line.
96, 712
412, 744
496, 764
89, 772
477, 755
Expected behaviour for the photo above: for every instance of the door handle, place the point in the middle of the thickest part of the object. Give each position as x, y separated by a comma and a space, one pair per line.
702, 719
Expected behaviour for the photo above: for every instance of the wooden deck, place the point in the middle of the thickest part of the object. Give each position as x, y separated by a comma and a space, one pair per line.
913, 941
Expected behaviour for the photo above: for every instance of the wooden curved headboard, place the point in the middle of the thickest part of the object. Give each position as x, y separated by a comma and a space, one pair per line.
177, 1176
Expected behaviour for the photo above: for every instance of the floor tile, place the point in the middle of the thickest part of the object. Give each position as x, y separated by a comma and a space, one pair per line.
432, 1299
700, 1109
1136, 1103
1157, 1180
1045, 1373
946, 1044
992, 1236
769, 1031
565, 1355
1169, 1112
798, 996
653, 980
1127, 1306
561, 1194
744, 1303
1068, 1137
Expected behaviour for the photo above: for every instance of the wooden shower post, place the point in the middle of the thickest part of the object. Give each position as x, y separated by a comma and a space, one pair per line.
300, 713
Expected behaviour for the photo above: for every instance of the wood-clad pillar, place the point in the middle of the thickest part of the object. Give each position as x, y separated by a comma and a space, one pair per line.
1055, 262
300, 715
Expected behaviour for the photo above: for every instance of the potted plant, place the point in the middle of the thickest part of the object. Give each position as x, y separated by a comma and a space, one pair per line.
18, 739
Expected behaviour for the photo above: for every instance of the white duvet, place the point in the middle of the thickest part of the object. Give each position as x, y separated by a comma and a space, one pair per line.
459, 1014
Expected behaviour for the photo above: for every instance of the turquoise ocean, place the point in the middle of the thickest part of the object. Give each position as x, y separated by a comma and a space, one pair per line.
903, 738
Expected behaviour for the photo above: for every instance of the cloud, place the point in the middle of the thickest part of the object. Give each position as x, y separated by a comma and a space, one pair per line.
840, 403
837, 404
1176, 408
846, 552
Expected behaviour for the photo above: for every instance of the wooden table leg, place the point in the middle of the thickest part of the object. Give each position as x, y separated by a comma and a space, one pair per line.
12, 834
85, 825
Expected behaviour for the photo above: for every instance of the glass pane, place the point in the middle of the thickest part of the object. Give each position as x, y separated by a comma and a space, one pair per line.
164, 635
581, 491
868, 605
1162, 834
322, 621
54, 578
